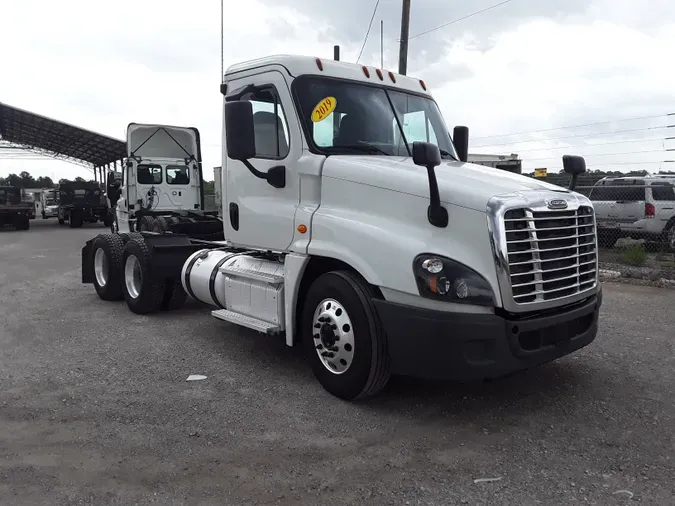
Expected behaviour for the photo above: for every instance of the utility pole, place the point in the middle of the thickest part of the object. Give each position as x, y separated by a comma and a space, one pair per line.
405, 31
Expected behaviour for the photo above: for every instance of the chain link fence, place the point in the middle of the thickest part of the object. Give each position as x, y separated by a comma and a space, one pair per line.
635, 217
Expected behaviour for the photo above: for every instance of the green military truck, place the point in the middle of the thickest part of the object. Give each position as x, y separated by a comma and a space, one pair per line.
15, 208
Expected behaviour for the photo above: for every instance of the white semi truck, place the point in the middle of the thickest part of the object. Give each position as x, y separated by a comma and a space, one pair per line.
161, 187
355, 228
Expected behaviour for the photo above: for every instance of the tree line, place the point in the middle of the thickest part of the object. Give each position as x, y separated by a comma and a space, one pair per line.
25, 180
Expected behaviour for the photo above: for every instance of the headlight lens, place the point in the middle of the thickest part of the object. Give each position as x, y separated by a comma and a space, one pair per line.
444, 279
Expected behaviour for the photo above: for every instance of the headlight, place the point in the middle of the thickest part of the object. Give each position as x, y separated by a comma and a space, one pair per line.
440, 278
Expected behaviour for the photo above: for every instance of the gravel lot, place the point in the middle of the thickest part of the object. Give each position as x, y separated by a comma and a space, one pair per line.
95, 409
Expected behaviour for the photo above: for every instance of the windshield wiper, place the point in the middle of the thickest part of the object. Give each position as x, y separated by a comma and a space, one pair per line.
445, 154
366, 148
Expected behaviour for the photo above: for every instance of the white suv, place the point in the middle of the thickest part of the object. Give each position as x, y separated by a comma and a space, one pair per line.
636, 207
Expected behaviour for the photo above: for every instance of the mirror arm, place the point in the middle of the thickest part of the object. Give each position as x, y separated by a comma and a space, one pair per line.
276, 176
257, 173
436, 213
573, 182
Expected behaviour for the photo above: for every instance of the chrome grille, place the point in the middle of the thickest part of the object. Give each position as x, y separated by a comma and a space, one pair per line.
551, 254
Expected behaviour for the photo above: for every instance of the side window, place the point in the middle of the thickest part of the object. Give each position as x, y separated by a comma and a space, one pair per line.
149, 174
269, 123
599, 193
631, 193
416, 127
663, 191
177, 174
618, 190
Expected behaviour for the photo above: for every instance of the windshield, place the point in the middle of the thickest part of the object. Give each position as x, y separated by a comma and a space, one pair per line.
348, 117
50, 202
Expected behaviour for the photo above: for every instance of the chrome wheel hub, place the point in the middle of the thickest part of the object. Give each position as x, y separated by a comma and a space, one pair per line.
133, 277
101, 267
333, 336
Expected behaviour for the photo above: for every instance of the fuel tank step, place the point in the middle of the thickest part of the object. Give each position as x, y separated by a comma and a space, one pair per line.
246, 321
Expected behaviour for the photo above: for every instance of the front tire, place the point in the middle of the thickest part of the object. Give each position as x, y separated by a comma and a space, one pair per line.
107, 258
143, 293
356, 364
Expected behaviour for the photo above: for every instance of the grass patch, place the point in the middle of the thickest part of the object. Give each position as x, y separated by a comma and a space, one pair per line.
634, 255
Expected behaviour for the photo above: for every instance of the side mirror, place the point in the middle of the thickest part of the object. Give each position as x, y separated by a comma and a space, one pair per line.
240, 140
460, 138
239, 133
428, 155
573, 165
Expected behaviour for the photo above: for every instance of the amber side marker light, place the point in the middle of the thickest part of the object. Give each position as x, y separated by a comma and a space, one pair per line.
302, 229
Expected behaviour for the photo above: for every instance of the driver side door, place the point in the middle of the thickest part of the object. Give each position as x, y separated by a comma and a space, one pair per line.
257, 214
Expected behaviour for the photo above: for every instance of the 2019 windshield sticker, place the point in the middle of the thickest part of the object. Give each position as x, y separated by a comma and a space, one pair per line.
323, 109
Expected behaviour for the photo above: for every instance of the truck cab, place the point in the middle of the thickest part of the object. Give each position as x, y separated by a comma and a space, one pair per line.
162, 179
49, 203
355, 227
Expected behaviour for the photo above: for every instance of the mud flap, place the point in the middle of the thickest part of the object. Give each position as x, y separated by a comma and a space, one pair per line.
87, 262
168, 253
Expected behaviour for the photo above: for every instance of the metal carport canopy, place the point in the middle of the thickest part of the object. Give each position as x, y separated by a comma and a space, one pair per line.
60, 140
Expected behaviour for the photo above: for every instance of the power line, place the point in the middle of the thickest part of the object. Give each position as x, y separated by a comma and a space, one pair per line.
460, 19
368, 31
576, 126
612, 132
593, 166
602, 154
579, 146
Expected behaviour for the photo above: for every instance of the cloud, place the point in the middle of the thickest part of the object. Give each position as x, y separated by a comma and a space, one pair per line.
525, 66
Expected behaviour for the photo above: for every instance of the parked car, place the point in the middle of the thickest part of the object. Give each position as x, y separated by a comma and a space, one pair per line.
635, 207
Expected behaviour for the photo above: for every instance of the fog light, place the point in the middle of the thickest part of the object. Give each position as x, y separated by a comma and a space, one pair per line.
461, 289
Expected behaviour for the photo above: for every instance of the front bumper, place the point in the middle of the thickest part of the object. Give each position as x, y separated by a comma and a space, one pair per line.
465, 346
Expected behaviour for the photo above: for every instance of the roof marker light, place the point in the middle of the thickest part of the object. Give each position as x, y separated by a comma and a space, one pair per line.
424, 86
379, 74
319, 64
366, 71
392, 76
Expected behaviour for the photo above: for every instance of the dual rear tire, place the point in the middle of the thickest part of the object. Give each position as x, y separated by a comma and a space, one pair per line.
122, 271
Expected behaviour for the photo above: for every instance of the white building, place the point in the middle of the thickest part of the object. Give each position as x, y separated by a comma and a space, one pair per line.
504, 162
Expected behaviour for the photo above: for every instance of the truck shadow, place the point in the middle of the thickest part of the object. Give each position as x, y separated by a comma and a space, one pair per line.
540, 388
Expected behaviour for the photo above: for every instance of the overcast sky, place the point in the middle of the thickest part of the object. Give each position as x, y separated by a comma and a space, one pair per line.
528, 65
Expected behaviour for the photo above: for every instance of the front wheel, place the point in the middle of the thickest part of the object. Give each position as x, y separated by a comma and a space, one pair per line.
343, 338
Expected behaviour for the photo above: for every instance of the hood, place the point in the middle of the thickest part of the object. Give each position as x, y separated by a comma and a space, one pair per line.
463, 184
163, 141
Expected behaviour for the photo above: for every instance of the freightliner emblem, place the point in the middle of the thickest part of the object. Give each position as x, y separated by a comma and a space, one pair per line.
557, 204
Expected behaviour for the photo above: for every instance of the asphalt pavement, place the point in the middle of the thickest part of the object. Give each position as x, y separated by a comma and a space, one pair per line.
95, 409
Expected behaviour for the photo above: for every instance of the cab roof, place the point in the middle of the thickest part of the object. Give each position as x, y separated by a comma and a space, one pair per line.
309, 65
